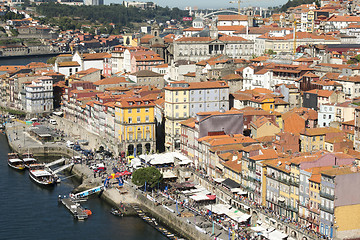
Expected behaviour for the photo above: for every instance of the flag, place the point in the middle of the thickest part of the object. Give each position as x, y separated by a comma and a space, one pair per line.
145, 186
229, 234
177, 208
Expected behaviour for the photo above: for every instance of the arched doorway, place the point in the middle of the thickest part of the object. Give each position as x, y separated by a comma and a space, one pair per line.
130, 150
147, 147
139, 149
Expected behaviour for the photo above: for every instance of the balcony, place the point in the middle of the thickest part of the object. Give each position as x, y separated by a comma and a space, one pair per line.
326, 209
254, 179
312, 220
314, 210
294, 183
283, 180
326, 195
292, 208
251, 168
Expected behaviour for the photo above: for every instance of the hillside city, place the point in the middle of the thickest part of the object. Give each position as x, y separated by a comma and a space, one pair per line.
265, 104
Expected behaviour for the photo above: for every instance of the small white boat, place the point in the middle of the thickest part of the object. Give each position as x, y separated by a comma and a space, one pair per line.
15, 162
40, 175
28, 161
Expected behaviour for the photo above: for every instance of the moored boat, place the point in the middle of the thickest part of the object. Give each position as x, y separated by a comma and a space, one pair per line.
116, 212
40, 175
28, 161
15, 162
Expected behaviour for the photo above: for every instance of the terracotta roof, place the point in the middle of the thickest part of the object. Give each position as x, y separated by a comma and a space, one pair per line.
233, 165
146, 73
261, 121
96, 56
189, 122
232, 17
321, 93
346, 18
194, 39
232, 76
68, 64
199, 85
341, 170
192, 29
319, 131
111, 81
265, 154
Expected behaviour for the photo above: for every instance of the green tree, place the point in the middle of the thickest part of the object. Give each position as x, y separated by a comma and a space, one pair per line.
150, 175
51, 60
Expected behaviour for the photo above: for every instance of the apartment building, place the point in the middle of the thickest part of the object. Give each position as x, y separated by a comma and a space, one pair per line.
135, 121
184, 100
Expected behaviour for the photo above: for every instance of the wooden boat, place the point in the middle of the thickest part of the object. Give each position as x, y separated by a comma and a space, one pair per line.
40, 175
15, 162
116, 212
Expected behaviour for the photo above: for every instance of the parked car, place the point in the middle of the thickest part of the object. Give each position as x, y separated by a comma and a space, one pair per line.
98, 167
53, 121
69, 144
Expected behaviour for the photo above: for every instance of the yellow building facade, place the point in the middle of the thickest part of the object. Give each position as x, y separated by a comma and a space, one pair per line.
135, 124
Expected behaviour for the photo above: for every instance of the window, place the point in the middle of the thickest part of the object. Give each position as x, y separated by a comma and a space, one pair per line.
130, 120
138, 119
147, 118
138, 110
146, 109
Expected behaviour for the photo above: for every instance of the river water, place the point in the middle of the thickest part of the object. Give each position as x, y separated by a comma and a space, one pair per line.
29, 211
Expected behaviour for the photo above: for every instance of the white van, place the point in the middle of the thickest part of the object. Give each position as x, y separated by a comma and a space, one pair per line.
53, 121
69, 144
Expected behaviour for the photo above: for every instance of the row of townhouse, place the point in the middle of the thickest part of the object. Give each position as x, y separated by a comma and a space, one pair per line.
124, 119
308, 187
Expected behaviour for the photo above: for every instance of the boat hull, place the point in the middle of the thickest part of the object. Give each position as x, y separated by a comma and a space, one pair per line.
42, 183
17, 167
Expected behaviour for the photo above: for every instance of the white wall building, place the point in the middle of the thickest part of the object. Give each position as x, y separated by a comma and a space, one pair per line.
39, 96
326, 115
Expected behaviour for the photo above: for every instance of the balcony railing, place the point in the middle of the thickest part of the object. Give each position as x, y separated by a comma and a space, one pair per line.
326, 209
294, 182
326, 195
292, 208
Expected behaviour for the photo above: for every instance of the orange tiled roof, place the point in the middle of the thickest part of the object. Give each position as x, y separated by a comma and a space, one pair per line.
232, 17
68, 64
111, 81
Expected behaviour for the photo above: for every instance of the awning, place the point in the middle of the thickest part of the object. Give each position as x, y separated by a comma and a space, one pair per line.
167, 175
230, 183
258, 229
239, 191
277, 235
198, 198
218, 180
281, 199
184, 162
244, 218
211, 197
